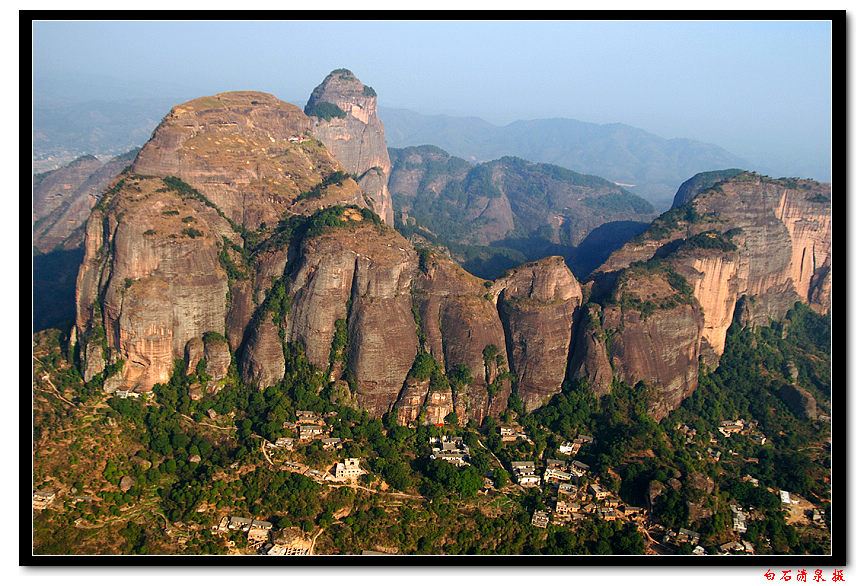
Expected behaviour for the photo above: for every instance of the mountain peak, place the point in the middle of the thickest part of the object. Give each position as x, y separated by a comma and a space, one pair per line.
343, 89
343, 115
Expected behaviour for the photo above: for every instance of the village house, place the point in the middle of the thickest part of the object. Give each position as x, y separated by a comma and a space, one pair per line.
43, 498
512, 434
607, 513
450, 450
540, 519
731, 546
317, 475
634, 513
554, 464
598, 492
285, 443
578, 468
567, 507
81, 498
259, 532
211, 413
295, 467
556, 471
585, 439
348, 469
239, 523
688, 536
331, 443
311, 431
555, 476
567, 447
818, 516
307, 417
126, 394
525, 473
699, 550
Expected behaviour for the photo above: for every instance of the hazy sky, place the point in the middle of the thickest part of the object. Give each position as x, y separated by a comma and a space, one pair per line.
758, 89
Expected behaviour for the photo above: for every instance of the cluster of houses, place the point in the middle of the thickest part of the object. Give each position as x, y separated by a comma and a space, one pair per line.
257, 532
729, 427
574, 446
556, 471
450, 449
309, 426
689, 432
524, 473
683, 536
574, 503
42, 499
559, 471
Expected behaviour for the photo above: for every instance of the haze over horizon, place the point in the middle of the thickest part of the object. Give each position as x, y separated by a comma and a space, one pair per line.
761, 90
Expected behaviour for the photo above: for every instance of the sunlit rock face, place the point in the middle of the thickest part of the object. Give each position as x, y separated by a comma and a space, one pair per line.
356, 139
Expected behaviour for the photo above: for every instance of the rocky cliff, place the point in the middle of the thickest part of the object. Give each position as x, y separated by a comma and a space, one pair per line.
734, 235
161, 256
250, 154
536, 303
343, 115
63, 198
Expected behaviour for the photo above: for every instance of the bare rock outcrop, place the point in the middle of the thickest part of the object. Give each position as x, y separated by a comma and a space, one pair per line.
63, 198
739, 246
249, 153
218, 357
164, 260
536, 302
354, 134
459, 320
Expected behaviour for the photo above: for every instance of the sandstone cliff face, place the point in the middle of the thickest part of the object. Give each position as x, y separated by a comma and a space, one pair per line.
157, 251
784, 235
458, 319
741, 235
536, 303
374, 271
648, 330
357, 139
62, 200
249, 153
148, 285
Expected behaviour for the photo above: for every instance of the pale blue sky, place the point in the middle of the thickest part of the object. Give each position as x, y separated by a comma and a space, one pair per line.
759, 89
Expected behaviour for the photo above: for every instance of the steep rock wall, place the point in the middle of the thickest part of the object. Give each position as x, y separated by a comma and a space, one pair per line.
357, 139
536, 303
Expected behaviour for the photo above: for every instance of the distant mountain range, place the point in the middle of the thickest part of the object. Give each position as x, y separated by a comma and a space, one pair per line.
493, 216
648, 165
